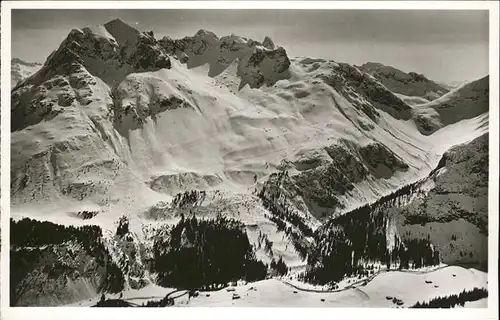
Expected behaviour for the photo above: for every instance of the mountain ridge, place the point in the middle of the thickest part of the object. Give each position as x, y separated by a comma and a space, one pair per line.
409, 84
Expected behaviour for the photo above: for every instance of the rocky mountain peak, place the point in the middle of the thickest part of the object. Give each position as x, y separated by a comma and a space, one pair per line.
122, 32
258, 63
110, 52
206, 33
268, 43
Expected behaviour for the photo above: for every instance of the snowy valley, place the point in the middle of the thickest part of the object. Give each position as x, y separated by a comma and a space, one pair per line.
222, 171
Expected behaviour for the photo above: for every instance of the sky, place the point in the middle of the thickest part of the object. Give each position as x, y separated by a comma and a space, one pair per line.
446, 46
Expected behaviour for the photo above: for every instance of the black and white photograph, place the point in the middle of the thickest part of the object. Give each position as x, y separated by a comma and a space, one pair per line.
245, 157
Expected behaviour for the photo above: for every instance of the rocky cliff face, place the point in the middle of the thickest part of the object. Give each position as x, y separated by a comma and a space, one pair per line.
371, 91
109, 52
258, 64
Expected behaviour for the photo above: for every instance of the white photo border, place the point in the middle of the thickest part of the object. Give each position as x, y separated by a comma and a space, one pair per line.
252, 313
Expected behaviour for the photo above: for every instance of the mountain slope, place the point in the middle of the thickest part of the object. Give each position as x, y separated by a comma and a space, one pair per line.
442, 217
410, 84
465, 102
454, 213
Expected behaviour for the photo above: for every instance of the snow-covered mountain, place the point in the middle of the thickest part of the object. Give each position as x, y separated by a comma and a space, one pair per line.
465, 102
450, 85
257, 63
119, 124
409, 84
21, 70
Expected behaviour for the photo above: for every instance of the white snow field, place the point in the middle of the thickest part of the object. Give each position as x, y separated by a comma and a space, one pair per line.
122, 139
277, 293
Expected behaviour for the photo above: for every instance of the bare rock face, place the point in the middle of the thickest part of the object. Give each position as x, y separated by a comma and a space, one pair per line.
258, 64
427, 120
268, 43
175, 183
114, 44
133, 104
263, 67
381, 162
31, 104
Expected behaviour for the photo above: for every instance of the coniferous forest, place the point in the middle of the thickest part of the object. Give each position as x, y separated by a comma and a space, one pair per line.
347, 244
206, 254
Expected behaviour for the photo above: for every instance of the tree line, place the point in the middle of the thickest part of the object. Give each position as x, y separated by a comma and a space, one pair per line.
85, 214
454, 300
123, 226
275, 202
33, 233
186, 198
279, 266
284, 213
